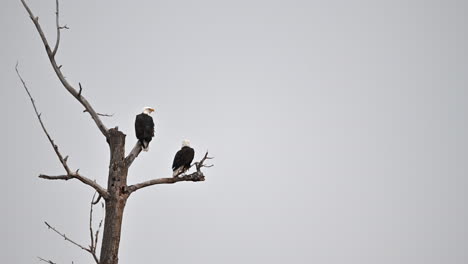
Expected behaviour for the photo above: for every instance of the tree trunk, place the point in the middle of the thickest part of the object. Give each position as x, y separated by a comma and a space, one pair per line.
115, 204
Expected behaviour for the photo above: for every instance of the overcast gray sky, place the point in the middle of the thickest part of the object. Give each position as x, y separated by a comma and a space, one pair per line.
339, 129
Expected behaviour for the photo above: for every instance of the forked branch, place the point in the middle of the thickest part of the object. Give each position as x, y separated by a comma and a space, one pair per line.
201, 163
194, 177
51, 54
63, 160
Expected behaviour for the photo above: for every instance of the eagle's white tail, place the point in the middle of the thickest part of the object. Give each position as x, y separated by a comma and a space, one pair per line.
177, 172
145, 146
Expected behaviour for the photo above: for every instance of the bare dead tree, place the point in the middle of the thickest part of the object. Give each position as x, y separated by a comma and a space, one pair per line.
117, 192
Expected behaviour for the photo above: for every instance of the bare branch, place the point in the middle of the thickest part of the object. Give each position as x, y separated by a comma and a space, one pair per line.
60, 75
73, 242
70, 174
194, 177
47, 261
103, 192
133, 154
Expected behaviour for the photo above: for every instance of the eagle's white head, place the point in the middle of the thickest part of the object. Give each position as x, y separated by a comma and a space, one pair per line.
148, 110
185, 143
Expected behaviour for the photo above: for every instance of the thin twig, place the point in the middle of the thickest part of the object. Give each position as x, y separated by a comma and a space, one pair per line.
96, 236
105, 115
85, 111
58, 28
73, 242
99, 114
92, 246
59, 155
201, 164
47, 261
81, 89
98, 199
65, 237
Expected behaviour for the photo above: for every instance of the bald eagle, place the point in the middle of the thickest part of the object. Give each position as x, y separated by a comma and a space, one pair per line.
183, 158
144, 128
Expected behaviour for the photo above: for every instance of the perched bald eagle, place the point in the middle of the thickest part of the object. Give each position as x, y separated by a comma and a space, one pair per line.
144, 128
183, 159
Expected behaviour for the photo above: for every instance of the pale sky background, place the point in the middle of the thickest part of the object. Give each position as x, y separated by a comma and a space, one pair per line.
339, 129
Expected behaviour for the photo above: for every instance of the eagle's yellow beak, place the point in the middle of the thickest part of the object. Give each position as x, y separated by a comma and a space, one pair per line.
152, 109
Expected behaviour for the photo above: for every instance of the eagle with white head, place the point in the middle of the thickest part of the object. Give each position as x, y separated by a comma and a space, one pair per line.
144, 127
183, 158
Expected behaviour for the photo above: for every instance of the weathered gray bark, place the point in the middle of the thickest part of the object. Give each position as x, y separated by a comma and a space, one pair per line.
115, 204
